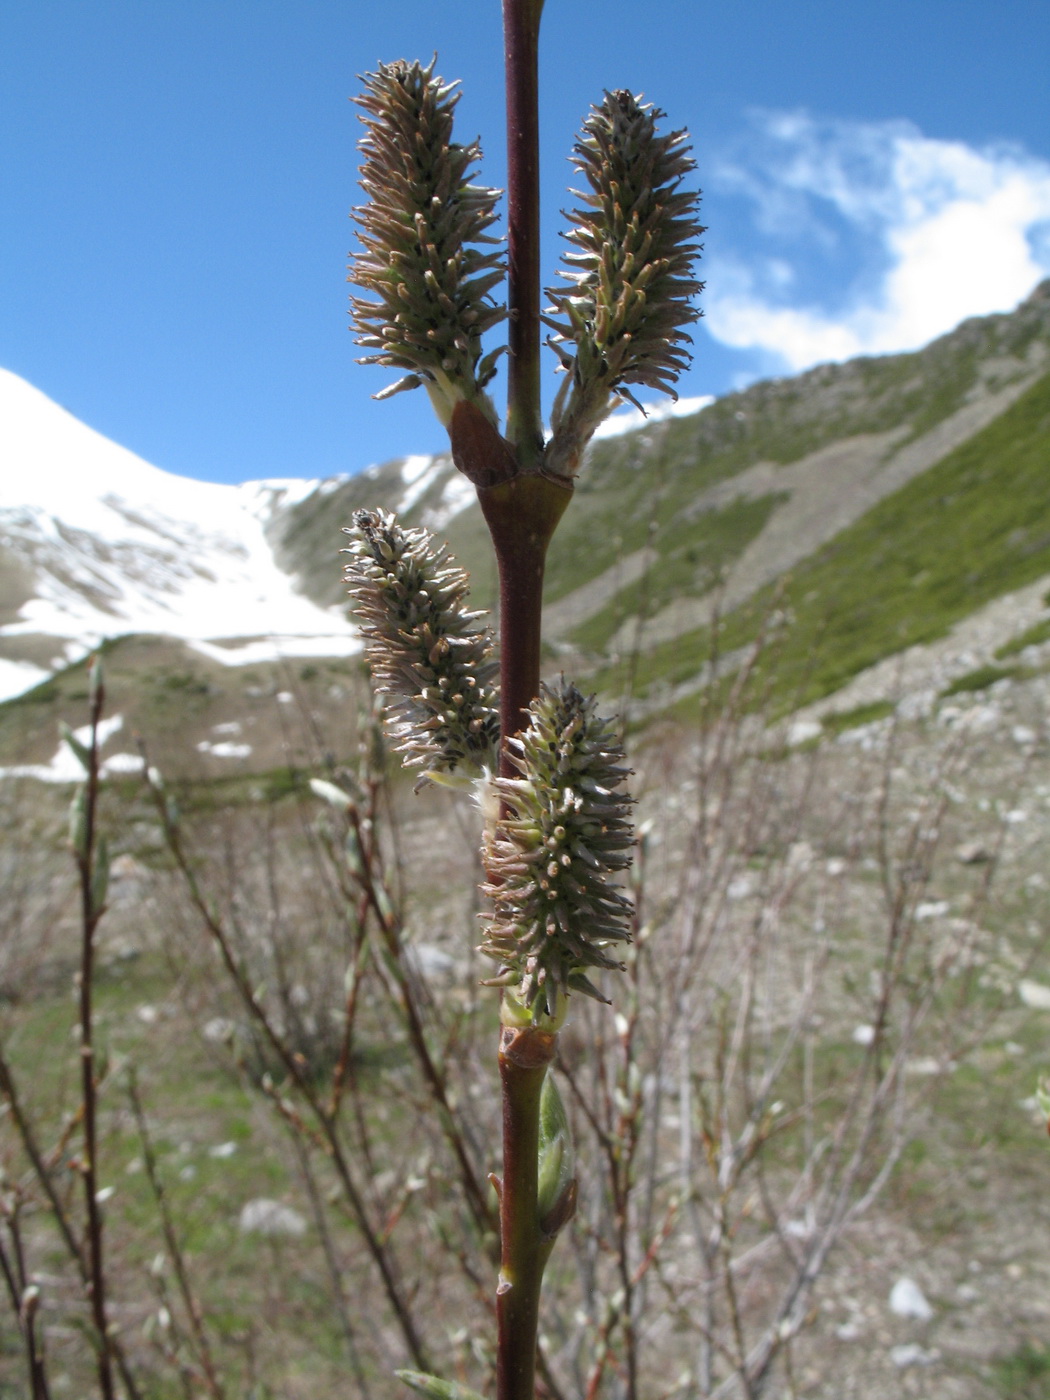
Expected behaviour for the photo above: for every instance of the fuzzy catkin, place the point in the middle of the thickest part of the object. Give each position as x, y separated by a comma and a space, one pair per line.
426, 652
624, 318
553, 861
429, 282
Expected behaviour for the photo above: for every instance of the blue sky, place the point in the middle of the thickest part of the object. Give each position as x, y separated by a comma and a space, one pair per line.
176, 176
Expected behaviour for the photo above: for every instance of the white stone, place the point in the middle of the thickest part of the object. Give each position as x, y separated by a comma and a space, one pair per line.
908, 1300
972, 853
803, 730
918, 705
739, 887
1034, 994
431, 961
263, 1217
911, 1354
932, 909
222, 1149
863, 1035
981, 718
924, 1064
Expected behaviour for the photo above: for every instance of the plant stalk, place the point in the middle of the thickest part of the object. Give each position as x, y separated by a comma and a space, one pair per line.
522, 515
524, 1056
521, 29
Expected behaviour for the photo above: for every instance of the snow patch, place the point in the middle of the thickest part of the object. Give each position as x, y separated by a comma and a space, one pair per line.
417, 475
625, 420
117, 546
122, 763
65, 767
278, 648
225, 748
16, 677
456, 496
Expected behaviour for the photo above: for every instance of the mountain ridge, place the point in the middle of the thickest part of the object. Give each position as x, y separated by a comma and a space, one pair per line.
690, 509
96, 542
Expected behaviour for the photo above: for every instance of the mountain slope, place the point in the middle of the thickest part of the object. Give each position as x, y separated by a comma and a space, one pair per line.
95, 542
798, 475
733, 494
970, 529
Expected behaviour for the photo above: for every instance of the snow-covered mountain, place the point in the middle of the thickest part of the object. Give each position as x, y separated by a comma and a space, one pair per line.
95, 542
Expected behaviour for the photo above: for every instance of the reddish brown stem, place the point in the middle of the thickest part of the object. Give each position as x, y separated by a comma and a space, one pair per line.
522, 515
521, 27
523, 1059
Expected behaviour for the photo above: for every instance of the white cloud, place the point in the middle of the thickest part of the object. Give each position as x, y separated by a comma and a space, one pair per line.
938, 231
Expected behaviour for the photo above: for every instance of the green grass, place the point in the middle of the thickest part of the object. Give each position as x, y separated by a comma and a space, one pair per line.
842, 720
693, 556
1031, 637
980, 679
1025, 1375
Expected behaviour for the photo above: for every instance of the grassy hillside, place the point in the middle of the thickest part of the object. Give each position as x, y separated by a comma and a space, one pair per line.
973, 527
227, 724
646, 488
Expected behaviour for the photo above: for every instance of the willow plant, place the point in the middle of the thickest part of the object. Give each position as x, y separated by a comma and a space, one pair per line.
550, 769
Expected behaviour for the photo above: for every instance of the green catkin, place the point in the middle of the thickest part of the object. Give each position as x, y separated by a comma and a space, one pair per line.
428, 281
553, 860
427, 654
624, 318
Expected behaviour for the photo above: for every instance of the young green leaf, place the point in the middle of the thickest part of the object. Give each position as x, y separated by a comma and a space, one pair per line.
434, 1388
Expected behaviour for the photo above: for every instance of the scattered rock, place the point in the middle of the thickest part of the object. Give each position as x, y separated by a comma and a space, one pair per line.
431, 961
1034, 994
932, 909
911, 1354
973, 853
924, 1064
271, 1218
222, 1149
740, 887
908, 1300
803, 730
